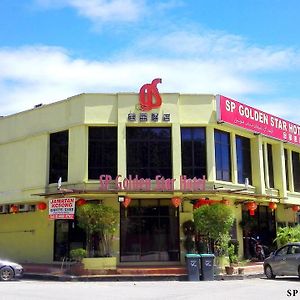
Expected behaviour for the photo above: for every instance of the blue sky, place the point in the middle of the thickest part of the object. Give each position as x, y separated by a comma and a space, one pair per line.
246, 50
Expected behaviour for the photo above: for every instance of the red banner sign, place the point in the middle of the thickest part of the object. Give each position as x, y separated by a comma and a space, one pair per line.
255, 120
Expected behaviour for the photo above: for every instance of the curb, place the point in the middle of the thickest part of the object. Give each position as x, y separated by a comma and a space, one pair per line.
53, 277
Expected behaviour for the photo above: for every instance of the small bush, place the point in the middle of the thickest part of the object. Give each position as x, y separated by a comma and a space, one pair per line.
78, 254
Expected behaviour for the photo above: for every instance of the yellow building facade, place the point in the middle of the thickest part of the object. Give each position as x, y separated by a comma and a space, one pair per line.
28, 235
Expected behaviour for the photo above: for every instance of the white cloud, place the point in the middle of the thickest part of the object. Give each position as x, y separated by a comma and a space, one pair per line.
223, 64
99, 11
219, 47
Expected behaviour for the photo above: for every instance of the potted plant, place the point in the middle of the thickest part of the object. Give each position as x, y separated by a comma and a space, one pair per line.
215, 221
77, 255
233, 260
188, 228
100, 223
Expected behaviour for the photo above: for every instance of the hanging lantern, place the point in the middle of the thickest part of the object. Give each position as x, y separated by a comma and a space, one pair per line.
41, 206
296, 208
14, 209
126, 202
200, 202
176, 201
272, 206
80, 202
251, 206
225, 202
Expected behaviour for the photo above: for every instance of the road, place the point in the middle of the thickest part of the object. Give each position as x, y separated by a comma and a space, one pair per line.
254, 289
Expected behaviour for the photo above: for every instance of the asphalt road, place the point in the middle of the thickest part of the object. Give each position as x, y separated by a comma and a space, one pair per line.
254, 289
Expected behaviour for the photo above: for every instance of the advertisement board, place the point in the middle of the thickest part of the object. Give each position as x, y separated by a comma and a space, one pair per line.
238, 114
62, 208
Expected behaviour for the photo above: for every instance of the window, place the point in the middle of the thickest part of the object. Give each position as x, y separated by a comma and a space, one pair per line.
270, 165
102, 151
193, 152
149, 152
286, 161
243, 155
58, 166
296, 170
222, 154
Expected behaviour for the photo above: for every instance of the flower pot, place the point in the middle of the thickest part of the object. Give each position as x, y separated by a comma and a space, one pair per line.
229, 270
241, 271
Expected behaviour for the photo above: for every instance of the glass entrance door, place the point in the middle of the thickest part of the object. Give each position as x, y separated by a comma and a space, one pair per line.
149, 231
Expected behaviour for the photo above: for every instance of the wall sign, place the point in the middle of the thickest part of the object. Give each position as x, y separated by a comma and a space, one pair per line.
61, 208
149, 96
255, 120
159, 184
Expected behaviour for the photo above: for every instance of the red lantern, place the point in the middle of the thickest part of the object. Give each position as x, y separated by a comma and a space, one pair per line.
14, 209
272, 206
225, 202
126, 202
252, 206
41, 206
80, 202
176, 201
295, 208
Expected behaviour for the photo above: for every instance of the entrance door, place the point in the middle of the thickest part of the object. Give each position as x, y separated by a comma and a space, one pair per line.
149, 231
258, 228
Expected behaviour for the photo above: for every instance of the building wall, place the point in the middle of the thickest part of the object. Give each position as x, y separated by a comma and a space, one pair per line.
24, 160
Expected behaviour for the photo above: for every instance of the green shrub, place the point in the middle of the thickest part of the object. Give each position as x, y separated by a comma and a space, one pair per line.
78, 254
287, 235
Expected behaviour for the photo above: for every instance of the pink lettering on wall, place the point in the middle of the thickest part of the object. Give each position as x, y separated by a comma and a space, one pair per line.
255, 120
159, 184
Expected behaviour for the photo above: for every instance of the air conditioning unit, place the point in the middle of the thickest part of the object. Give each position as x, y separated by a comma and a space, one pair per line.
4, 209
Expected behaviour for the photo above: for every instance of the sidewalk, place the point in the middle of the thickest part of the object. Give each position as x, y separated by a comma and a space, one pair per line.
176, 273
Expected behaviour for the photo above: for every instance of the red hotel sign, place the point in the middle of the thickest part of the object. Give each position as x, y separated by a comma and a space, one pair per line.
247, 117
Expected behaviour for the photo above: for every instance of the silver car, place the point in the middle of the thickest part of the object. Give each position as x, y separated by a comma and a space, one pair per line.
284, 261
10, 270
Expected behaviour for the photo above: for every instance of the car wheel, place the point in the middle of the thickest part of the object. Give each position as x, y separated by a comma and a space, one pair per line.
269, 272
299, 272
6, 273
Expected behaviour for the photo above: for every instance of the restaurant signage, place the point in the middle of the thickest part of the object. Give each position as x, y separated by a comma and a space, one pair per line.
61, 208
255, 120
159, 184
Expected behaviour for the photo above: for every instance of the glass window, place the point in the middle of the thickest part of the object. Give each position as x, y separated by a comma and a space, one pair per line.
283, 251
193, 151
102, 151
296, 170
286, 161
270, 165
58, 165
222, 154
243, 155
149, 152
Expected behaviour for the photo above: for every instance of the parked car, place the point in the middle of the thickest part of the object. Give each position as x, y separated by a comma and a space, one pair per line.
10, 270
284, 261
